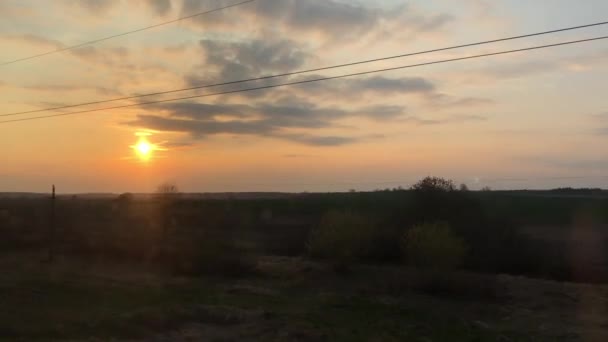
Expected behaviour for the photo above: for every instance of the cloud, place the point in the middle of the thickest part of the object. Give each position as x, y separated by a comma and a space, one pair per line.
355, 87
200, 129
326, 16
315, 140
54, 88
440, 101
200, 120
392, 85
586, 164
284, 113
507, 69
108, 56
600, 116
161, 7
453, 119
601, 119
95, 6
297, 155
229, 61
328, 20
34, 40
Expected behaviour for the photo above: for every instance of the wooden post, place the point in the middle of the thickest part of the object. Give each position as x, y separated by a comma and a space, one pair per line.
52, 228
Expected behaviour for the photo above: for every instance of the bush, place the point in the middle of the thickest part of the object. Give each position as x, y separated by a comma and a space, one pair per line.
343, 237
208, 254
458, 285
433, 246
434, 184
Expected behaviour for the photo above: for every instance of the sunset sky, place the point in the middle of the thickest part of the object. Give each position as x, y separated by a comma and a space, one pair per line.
535, 119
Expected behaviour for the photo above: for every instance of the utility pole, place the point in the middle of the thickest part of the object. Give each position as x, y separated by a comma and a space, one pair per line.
51, 236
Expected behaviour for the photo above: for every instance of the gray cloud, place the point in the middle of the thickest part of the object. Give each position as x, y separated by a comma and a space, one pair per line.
600, 116
263, 119
285, 113
200, 129
391, 85
72, 88
315, 140
356, 86
109, 56
331, 19
602, 131
513, 70
453, 119
328, 16
95, 6
586, 164
229, 61
161, 7
34, 40
201, 111
440, 100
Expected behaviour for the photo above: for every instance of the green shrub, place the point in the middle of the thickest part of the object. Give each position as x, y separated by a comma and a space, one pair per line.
343, 237
433, 246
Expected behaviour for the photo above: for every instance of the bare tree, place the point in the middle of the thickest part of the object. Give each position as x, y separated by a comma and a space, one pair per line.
167, 190
167, 194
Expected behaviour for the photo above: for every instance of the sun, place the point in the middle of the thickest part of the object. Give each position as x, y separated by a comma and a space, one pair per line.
144, 149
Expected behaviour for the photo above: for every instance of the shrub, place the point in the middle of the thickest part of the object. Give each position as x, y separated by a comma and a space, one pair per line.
433, 246
208, 254
342, 237
457, 285
434, 184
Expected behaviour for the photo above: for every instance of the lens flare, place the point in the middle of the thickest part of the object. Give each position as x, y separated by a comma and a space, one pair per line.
144, 148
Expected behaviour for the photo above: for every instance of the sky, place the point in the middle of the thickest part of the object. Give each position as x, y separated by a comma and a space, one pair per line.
530, 120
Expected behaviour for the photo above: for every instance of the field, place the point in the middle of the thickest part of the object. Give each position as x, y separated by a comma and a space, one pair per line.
289, 299
247, 269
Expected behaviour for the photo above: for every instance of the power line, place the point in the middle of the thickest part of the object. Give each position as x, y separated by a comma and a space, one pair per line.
307, 71
124, 33
313, 80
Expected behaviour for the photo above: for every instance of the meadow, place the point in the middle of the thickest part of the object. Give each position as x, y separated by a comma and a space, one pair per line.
429, 263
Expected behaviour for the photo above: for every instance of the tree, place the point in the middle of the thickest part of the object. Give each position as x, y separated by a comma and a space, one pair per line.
167, 194
463, 187
167, 190
437, 199
434, 184
433, 246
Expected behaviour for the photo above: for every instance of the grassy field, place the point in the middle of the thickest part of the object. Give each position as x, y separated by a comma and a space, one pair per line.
288, 299
420, 265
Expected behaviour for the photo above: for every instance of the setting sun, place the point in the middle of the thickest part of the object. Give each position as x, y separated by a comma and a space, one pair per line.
144, 148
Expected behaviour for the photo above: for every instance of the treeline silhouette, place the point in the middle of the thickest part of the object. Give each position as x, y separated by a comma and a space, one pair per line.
433, 225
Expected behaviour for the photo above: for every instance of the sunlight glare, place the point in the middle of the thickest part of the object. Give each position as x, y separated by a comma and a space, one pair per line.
143, 148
